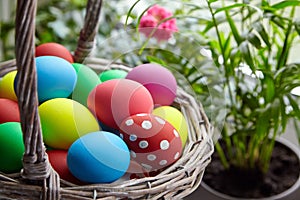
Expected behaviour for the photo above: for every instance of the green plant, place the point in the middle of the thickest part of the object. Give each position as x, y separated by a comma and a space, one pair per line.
261, 37
250, 44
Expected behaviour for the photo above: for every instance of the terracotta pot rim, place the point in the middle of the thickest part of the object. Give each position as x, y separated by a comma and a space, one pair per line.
289, 191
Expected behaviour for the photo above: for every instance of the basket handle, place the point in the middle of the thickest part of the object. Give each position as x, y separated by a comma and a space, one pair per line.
36, 166
88, 32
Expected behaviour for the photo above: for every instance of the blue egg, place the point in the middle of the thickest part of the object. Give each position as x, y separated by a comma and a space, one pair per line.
56, 78
98, 157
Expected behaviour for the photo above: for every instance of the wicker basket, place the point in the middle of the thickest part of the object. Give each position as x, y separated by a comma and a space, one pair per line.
38, 180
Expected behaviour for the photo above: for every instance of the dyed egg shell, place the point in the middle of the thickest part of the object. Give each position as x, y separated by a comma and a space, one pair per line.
112, 74
114, 100
158, 80
7, 86
54, 49
56, 78
98, 157
87, 80
11, 147
64, 121
9, 111
58, 160
174, 117
153, 142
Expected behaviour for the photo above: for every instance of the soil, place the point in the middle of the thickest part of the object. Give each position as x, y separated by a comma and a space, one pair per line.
283, 173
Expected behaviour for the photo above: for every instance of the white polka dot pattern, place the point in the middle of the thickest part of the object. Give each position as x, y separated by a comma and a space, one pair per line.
164, 144
132, 138
176, 156
129, 122
147, 125
146, 166
176, 133
143, 144
151, 157
141, 114
163, 162
160, 120
121, 136
133, 154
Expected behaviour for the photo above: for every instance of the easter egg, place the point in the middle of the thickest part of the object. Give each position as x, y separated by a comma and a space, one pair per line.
54, 49
7, 86
87, 80
56, 78
9, 111
64, 121
11, 147
153, 142
174, 117
98, 157
114, 100
112, 74
58, 160
158, 80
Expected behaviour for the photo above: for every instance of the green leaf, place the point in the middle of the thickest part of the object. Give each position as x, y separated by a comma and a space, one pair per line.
284, 118
258, 26
284, 4
294, 105
254, 40
297, 128
229, 7
154, 59
233, 27
269, 88
297, 26
129, 11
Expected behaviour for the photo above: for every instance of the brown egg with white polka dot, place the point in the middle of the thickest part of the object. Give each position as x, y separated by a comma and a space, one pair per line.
153, 142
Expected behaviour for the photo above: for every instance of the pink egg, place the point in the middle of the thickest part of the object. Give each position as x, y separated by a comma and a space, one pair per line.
153, 142
114, 100
158, 80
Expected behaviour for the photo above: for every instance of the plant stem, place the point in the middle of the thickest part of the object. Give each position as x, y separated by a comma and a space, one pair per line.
222, 50
222, 155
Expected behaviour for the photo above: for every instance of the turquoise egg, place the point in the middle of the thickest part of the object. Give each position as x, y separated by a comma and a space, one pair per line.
56, 78
87, 80
98, 157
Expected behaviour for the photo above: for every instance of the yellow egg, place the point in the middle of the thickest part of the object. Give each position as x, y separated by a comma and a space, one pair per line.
7, 86
64, 121
174, 117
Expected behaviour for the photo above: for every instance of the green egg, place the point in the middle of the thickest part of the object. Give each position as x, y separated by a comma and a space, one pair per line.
87, 79
112, 74
11, 147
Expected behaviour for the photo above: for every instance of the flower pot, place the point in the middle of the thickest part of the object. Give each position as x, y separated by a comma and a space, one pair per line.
291, 193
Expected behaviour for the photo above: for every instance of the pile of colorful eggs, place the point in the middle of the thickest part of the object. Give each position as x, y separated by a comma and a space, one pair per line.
97, 127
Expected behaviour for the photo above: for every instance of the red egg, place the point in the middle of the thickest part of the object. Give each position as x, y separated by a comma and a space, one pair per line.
153, 142
9, 111
58, 160
54, 49
114, 100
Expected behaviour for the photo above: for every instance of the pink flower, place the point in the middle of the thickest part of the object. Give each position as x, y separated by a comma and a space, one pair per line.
151, 23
